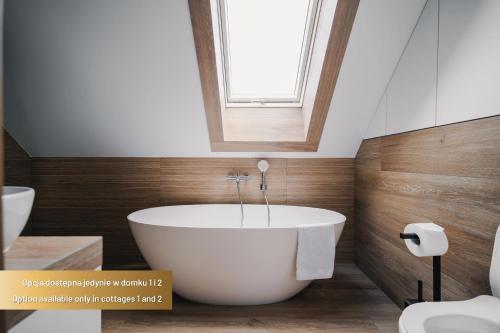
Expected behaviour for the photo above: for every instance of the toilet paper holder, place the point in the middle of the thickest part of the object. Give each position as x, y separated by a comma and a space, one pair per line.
411, 236
436, 273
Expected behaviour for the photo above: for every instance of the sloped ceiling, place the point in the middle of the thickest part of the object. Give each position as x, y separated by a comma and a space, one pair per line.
120, 78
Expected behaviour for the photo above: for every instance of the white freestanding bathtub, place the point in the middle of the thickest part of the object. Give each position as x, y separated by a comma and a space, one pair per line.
215, 261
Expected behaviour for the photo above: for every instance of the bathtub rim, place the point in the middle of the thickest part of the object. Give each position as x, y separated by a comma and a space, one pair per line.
342, 220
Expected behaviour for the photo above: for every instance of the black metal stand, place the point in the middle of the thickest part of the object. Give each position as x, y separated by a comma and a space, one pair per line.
410, 301
436, 275
436, 278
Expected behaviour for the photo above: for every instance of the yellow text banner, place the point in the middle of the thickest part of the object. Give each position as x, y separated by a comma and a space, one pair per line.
107, 290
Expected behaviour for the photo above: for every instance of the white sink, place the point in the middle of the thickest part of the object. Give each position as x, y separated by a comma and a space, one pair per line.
16, 209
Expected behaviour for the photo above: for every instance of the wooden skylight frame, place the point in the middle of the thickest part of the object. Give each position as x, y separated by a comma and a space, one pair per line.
267, 122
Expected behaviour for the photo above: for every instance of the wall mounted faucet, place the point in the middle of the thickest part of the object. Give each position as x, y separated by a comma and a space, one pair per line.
239, 178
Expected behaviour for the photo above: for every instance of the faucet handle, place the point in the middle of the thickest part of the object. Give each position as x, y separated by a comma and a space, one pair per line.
238, 177
245, 177
231, 177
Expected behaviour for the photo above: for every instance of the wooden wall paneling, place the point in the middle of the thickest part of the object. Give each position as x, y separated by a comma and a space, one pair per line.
368, 156
93, 196
203, 180
389, 269
96, 182
325, 183
469, 149
375, 235
447, 175
120, 249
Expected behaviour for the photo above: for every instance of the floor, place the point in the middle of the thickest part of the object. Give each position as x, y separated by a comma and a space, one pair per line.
349, 303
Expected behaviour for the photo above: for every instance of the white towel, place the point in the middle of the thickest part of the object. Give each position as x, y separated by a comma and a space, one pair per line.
315, 251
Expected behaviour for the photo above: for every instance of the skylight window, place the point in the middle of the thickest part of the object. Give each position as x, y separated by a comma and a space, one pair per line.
266, 46
268, 69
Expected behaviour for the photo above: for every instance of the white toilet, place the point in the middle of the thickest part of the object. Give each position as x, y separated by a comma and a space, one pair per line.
478, 315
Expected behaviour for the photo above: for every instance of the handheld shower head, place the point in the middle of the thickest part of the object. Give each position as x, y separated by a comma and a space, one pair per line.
263, 165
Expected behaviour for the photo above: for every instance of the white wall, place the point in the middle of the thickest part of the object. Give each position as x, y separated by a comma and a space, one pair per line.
411, 93
469, 60
449, 71
120, 77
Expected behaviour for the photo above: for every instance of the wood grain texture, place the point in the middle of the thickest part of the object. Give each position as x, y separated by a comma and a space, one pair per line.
120, 249
262, 146
471, 150
201, 19
264, 124
96, 182
51, 253
350, 303
55, 253
446, 175
337, 44
329, 184
93, 196
202, 180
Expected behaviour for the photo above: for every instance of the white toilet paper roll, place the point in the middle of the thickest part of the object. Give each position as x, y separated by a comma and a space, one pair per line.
433, 240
